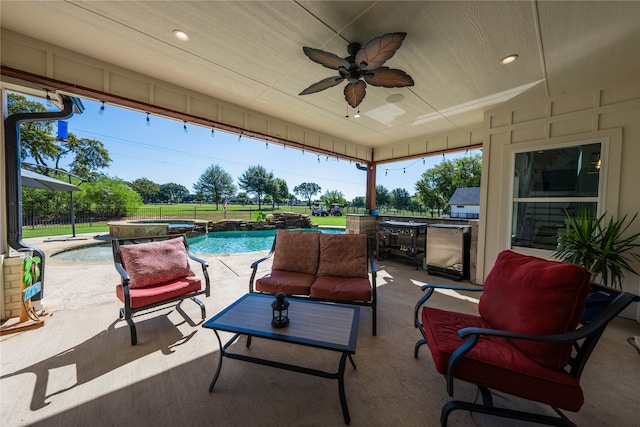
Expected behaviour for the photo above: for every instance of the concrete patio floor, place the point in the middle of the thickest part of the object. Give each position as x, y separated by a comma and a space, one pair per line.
80, 369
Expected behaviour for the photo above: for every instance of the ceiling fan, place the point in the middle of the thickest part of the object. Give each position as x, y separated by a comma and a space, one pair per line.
362, 63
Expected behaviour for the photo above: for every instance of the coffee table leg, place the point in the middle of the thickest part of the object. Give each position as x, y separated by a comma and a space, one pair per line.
215, 378
343, 397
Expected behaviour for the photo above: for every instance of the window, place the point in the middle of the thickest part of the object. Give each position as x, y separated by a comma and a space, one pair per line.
548, 181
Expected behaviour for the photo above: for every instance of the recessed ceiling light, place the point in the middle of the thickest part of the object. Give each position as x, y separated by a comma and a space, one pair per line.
396, 97
180, 35
508, 59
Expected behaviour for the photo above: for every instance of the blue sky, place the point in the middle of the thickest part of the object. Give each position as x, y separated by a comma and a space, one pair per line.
162, 152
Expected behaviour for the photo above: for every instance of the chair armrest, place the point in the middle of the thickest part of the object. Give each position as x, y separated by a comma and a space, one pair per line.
254, 267
430, 287
124, 276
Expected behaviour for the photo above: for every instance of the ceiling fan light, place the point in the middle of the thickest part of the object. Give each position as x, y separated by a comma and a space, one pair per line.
509, 59
180, 35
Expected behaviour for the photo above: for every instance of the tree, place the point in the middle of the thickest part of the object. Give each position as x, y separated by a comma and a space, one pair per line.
359, 202
243, 198
172, 193
440, 182
382, 196
280, 192
258, 181
400, 198
334, 196
110, 194
215, 184
146, 188
37, 142
306, 191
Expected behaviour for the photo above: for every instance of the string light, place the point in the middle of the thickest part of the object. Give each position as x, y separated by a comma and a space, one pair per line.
213, 132
148, 120
266, 144
404, 170
386, 172
303, 151
318, 158
357, 115
184, 126
101, 110
49, 102
327, 159
239, 137
423, 161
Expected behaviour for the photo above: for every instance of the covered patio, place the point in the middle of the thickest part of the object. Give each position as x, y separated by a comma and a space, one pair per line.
81, 369
576, 81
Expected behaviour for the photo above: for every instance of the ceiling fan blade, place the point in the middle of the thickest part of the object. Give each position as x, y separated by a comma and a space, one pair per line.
322, 85
379, 50
326, 59
354, 93
388, 77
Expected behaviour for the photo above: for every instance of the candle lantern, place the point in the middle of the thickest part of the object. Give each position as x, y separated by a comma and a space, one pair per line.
280, 309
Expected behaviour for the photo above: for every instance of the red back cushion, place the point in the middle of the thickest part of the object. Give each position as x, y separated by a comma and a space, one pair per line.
154, 263
535, 296
343, 255
297, 251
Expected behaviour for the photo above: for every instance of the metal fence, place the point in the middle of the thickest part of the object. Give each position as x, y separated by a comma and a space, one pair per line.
32, 219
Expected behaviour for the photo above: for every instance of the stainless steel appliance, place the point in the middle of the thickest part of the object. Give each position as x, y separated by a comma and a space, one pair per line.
448, 250
402, 239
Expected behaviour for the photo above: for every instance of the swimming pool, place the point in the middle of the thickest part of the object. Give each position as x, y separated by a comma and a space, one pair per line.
220, 242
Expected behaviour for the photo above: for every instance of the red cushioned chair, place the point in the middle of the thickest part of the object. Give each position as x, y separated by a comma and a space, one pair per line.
156, 271
529, 339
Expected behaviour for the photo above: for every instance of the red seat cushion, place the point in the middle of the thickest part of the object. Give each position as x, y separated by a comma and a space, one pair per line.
497, 363
141, 297
341, 288
535, 296
289, 282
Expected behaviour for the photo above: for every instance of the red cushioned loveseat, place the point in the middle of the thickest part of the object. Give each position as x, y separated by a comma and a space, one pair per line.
315, 265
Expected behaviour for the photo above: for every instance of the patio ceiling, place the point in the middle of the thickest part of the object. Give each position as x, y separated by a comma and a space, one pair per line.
249, 53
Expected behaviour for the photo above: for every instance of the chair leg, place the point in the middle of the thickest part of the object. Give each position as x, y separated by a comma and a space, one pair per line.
132, 328
453, 405
203, 310
418, 344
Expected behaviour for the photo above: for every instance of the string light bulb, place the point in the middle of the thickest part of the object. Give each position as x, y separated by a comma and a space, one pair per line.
357, 115
239, 137
266, 144
213, 132
386, 172
49, 102
184, 126
318, 158
101, 110
423, 161
148, 120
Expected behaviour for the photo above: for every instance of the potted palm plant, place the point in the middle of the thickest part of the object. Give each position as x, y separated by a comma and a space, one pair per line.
599, 246
602, 248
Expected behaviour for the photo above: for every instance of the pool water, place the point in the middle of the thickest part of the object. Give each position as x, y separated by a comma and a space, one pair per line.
220, 242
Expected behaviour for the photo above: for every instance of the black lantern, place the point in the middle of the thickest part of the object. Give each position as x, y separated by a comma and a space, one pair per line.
280, 308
